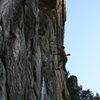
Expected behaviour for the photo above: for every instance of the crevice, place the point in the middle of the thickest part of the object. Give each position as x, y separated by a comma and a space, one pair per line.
7, 91
35, 93
34, 72
63, 94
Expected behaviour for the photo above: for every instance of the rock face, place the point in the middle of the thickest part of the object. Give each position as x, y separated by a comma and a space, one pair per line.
73, 88
31, 31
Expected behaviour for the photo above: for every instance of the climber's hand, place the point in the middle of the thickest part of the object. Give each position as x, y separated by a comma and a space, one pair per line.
68, 54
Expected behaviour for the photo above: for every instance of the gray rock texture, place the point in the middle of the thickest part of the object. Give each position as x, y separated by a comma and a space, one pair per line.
31, 31
3, 92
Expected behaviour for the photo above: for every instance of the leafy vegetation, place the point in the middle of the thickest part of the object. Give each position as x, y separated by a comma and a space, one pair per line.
88, 95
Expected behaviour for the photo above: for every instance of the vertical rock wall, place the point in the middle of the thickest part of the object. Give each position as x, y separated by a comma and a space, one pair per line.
20, 55
51, 33
30, 33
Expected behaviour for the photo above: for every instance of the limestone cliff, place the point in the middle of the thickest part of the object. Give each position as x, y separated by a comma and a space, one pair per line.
30, 33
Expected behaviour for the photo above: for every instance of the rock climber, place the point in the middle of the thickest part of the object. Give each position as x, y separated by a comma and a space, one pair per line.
63, 59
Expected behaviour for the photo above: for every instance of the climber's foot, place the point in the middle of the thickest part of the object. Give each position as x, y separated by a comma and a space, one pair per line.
57, 68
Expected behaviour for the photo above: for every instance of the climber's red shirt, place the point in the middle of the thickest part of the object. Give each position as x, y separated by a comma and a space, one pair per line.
62, 52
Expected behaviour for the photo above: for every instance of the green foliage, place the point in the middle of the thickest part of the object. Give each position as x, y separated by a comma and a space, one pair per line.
87, 95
